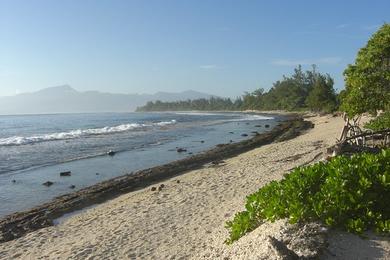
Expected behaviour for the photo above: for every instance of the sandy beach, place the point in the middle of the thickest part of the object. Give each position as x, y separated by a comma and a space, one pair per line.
186, 218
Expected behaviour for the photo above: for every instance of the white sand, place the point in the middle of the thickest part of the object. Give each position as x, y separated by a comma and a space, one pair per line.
186, 219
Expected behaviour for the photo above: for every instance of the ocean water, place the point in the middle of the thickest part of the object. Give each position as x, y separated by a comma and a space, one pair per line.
36, 148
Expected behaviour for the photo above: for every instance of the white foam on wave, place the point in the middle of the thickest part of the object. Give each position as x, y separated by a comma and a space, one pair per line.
243, 117
253, 118
22, 140
199, 114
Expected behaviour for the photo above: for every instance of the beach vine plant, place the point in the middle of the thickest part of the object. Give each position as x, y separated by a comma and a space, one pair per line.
348, 192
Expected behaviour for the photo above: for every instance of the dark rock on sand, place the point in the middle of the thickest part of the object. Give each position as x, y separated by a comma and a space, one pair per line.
48, 183
180, 150
153, 188
111, 153
161, 187
217, 162
178, 181
64, 174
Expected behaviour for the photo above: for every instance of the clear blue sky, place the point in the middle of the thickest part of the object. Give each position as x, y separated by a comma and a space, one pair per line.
219, 47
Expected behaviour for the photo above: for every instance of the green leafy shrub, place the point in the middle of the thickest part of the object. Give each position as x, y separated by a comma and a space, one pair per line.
348, 192
382, 122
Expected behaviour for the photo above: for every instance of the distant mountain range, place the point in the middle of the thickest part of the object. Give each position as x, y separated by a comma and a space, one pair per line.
64, 99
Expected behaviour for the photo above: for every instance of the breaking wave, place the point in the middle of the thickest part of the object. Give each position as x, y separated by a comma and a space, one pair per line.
21, 140
240, 116
253, 118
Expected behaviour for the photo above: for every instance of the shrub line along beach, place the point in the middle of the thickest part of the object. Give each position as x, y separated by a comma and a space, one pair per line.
184, 215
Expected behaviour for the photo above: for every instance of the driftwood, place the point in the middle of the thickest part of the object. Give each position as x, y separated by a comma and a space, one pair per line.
354, 139
378, 138
350, 129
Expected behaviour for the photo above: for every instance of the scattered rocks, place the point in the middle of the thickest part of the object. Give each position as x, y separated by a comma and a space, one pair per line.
266, 126
72, 186
48, 183
180, 150
244, 134
161, 187
111, 153
257, 125
66, 173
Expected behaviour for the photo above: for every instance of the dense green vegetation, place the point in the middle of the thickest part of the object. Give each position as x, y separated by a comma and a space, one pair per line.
303, 90
349, 192
382, 122
368, 80
202, 104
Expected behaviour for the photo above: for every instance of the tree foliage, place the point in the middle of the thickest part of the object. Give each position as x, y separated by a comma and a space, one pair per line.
302, 90
322, 96
220, 104
368, 79
381, 122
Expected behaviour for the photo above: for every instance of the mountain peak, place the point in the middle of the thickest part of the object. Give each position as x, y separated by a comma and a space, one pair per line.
58, 89
65, 99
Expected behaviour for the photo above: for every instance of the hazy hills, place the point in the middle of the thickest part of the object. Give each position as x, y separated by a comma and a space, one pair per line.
64, 99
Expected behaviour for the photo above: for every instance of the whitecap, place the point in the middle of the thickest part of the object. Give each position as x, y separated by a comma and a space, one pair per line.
23, 140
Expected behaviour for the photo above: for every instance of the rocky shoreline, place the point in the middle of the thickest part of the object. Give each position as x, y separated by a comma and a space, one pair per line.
21, 223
